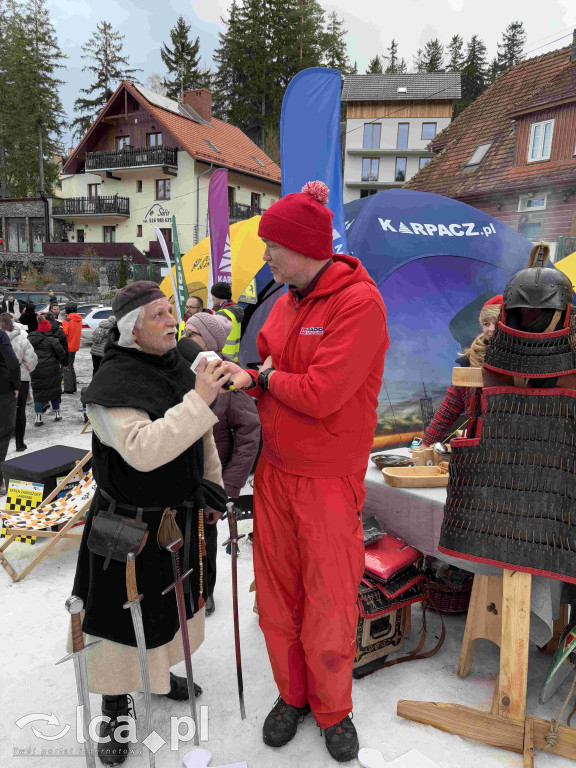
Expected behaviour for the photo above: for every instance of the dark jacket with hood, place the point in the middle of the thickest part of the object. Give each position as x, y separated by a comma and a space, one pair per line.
9, 366
29, 318
47, 376
237, 438
57, 332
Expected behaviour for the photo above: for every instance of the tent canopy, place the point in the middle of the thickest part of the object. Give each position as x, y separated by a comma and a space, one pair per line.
436, 261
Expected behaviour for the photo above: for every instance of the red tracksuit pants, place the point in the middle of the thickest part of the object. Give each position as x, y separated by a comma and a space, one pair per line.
308, 562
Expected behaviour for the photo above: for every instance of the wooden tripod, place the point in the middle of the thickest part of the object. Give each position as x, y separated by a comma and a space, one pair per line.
499, 611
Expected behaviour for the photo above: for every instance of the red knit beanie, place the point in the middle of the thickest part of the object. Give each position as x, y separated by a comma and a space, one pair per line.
43, 324
491, 310
301, 221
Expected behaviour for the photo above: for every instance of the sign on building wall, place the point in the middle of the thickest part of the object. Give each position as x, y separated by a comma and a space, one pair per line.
157, 215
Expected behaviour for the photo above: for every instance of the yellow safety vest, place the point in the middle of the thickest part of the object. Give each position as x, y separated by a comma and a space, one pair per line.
231, 349
181, 329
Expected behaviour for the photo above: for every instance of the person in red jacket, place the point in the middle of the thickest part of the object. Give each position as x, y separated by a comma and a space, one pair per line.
322, 348
72, 327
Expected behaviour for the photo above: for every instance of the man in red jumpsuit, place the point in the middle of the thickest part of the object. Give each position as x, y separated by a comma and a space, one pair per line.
323, 348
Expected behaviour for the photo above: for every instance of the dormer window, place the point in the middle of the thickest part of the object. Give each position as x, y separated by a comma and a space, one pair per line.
540, 141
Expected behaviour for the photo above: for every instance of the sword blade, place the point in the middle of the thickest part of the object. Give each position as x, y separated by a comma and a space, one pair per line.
136, 613
81, 674
234, 552
180, 602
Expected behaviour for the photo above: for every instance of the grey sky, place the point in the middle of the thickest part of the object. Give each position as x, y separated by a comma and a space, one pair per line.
371, 25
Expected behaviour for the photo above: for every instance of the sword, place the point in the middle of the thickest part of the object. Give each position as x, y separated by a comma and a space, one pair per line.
233, 541
74, 606
133, 603
177, 586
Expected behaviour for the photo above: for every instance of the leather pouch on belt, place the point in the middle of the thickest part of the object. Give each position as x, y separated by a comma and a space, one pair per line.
114, 537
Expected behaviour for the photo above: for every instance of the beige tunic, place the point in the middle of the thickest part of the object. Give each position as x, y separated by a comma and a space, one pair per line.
113, 668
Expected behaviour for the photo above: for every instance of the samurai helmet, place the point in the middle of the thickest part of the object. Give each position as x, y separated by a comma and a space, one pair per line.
538, 286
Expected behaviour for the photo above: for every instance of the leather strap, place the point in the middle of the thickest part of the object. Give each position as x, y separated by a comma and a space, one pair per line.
139, 510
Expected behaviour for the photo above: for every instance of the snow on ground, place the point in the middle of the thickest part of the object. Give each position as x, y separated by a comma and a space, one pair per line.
34, 627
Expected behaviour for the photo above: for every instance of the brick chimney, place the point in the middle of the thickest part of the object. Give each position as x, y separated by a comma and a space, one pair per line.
200, 101
573, 52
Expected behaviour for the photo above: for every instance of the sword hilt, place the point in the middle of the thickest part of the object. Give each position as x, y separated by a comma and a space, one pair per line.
131, 585
74, 607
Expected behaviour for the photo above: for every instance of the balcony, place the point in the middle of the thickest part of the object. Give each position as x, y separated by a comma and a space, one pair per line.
109, 207
94, 251
130, 157
239, 212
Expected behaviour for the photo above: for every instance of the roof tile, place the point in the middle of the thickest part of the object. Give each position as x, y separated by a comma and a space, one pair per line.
419, 86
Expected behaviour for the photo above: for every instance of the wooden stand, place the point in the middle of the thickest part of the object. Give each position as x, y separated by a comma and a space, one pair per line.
499, 611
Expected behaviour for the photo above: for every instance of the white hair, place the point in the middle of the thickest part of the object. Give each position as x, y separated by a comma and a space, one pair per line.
126, 327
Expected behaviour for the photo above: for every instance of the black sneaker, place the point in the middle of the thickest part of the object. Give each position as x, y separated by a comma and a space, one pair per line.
342, 740
282, 723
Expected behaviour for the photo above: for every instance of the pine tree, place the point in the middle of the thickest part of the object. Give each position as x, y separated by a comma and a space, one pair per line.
512, 45
354, 68
434, 56
493, 71
394, 65
419, 61
31, 115
182, 61
375, 66
456, 60
335, 52
474, 73
121, 273
266, 43
109, 66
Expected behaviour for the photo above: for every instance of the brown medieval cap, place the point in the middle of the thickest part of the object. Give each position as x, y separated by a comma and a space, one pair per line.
135, 295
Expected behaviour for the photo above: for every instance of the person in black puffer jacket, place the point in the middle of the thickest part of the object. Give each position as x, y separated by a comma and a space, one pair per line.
58, 334
46, 377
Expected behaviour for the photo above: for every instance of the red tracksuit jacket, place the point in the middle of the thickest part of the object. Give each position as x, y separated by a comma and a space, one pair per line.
321, 422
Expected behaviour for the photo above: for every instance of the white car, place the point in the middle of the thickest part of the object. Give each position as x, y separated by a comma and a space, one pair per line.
92, 320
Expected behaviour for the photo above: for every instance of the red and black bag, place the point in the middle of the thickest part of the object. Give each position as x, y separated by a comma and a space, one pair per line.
392, 581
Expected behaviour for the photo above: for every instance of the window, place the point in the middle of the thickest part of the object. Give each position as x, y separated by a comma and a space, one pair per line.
102, 314
372, 135
17, 241
212, 146
255, 201
532, 202
109, 234
167, 233
367, 192
139, 185
79, 235
37, 234
530, 229
139, 230
122, 141
400, 173
231, 195
370, 168
402, 141
540, 141
153, 139
422, 161
93, 191
162, 189
428, 130
260, 163
479, 154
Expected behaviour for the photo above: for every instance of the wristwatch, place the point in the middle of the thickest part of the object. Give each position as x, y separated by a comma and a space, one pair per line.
263, 377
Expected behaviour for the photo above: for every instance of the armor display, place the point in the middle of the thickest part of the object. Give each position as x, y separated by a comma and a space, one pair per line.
512, 489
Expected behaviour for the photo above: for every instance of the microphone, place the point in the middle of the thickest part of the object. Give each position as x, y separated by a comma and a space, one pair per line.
193, 353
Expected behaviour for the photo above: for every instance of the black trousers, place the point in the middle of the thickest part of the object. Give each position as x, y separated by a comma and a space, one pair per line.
7, 420
20, 427
70, 375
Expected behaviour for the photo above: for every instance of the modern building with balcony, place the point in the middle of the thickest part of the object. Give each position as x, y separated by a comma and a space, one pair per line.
390, 121
147, 158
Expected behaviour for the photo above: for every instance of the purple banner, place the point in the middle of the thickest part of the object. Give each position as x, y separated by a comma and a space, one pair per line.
219, 222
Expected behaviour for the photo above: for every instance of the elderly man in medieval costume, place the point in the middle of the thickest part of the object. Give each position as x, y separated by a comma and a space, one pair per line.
154, 460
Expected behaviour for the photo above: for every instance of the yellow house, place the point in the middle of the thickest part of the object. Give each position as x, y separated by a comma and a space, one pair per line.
147, 158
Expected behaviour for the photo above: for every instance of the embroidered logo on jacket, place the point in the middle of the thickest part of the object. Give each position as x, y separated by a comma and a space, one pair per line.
316, 331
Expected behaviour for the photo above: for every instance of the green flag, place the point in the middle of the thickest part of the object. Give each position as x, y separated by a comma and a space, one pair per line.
181, 288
